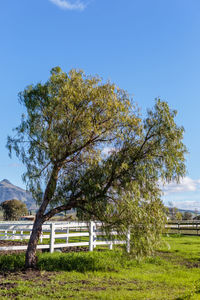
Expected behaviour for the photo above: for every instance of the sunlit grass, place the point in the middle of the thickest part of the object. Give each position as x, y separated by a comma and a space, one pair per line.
173, 273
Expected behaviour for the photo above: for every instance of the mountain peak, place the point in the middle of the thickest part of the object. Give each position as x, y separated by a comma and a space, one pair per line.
8, 191
5, 181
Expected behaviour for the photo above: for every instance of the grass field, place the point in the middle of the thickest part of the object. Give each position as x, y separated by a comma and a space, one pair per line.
173, 273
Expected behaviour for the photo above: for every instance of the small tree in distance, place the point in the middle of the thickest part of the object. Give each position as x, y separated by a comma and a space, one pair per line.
187, 215
70, 122
14, 209
179, 216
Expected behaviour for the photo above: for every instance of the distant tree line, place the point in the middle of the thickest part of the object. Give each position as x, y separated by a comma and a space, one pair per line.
174, 214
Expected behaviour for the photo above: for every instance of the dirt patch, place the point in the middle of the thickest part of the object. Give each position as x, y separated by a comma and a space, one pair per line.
7, 285
30, 275
5, 243
178, 260
74, 249
98, 288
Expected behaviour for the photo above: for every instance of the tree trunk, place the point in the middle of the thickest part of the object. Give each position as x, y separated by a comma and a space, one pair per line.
31, 258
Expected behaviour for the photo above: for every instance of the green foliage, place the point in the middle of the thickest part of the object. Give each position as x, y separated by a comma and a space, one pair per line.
12, 262
179, 216
13, 209
187, 215
70, 122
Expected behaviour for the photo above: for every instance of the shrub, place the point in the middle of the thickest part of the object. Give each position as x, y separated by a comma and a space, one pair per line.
13, 209
12, 262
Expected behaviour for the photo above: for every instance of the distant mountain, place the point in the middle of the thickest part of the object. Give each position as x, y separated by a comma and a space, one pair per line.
8, 191
189, 210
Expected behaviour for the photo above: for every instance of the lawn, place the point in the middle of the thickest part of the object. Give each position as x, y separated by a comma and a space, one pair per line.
173, 273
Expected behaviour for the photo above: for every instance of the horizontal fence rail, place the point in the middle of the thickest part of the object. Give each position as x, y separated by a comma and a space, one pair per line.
60, 235
186, 227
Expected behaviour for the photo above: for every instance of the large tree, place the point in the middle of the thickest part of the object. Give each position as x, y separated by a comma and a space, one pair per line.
85, 146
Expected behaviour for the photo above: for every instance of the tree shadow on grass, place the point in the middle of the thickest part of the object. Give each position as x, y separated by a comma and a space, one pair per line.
80, 262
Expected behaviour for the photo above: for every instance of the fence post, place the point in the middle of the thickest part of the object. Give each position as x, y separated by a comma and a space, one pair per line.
94, 235
128, 238
67, 238
91, 236
179, 228
41, 237
13, 234
52, 238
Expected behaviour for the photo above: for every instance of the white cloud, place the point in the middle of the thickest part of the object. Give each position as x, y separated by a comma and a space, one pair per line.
108, 150
69, 5
185, 195
186, 184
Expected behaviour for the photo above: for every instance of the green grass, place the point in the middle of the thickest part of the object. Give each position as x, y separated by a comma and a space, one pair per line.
173, 273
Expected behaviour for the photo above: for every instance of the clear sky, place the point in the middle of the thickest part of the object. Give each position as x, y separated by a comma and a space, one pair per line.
150, 48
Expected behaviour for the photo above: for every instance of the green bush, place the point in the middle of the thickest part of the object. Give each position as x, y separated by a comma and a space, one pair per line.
12, 262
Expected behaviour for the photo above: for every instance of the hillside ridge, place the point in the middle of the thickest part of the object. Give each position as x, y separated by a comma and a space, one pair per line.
9, 191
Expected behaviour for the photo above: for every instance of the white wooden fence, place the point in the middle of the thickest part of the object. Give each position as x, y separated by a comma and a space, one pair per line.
70, 233
186, 227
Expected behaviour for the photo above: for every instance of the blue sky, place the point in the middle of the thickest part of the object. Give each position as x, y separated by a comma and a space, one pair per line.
149, 48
